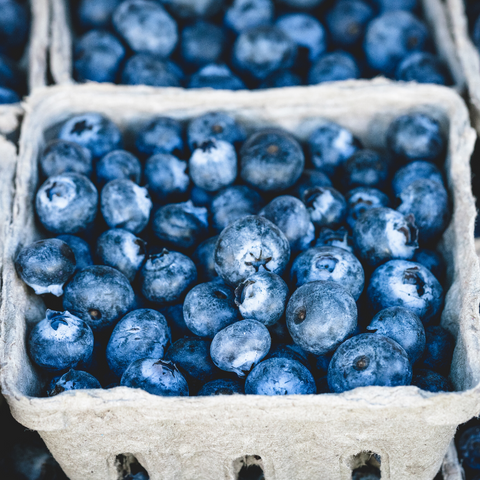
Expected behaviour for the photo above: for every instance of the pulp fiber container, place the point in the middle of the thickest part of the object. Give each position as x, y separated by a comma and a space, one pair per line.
62, 36
404, 429
451, 467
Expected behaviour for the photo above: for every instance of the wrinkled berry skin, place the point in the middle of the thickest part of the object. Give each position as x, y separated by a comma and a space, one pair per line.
161, 135
438, 349
60, 341
60, 156
327, 207
208, 308
262, 297
67, 203
233, 203
290, 215
221, 387
403, 326
333, 67
330, 145
155, 376
399, 283
369, 359
329, 264
118, 164
271, 160
320, 316
468, 447
99, 295
382, 234
93, 131
192, 357
139, 334
414, 171
81, 250
280, 376
146, 69
427, 201
422, 67
431, 381
46, 265
415, 136
240, 346
74, 380
125, 204
249, 245
245, 14
361, 199
122, 250
365, 168
204, 258
180, 225
166, 277
217, 77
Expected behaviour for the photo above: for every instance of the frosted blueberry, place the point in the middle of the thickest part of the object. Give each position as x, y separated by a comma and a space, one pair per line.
361, 199
81, 250
333, 67
422, 67
245, 14
147, 69
116, 165
204, 258
413, 171
60, 156
188, 9
160, 135
431, 260
202, 43
431, 381
280, 79
96, 13
365, 168
216, 76
309, 179
74, 380
439, 348
335, 238
327, 207
221, 387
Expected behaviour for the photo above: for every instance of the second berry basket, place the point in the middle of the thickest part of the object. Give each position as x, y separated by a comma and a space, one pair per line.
404, 430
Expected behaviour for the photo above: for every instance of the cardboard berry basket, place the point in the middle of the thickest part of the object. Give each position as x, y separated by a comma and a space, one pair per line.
405, 429
62, 36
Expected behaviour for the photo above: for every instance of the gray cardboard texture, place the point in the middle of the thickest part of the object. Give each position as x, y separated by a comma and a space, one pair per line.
205, 438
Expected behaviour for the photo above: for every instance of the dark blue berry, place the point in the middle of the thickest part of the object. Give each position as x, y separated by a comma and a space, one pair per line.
188, 9
81, 250
431, 260
280, 79
309, 179
202, 43
118, 164
147, 69
204, 258
221, 387
60, 156
361, 199
8, 96
176, 322
245, 14
431, 381
421, 67
333, 67
327, 207
335, 238
14, 25
468, 447
217, 77
365, 168
74, 380
96, 13
438, 349
413, 171
161, 135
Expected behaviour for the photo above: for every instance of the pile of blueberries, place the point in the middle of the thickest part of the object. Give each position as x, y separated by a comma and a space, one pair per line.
14, 29
235, 269
251, 43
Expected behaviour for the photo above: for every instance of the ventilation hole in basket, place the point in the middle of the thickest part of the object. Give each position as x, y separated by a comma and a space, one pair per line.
129, 468
249, 467
365, 465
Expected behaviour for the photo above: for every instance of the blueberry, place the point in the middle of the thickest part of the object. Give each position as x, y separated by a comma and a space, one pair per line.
365, 168
161, 135
280, 79
122, 250
431, 381
431, 260
271, 160
97, 57
176, 322
60, 341
438, 350
234, 203
388, 5
399, 283
93, 131
214, 126
81, 250
11, 77
251, 244
216, 76
291, 216
306, 31
335, 238
96, 13
147, 69
361, 199
116, 165
166, 177
192, 357
240, 346
8, 96
382, 234
309, 179
140, 334
330, 145
221, 387
166, 277
60, 156
208, 308
245, 14
302, 4
14, 25
260, 51
67, 203
74, 380
427, 201
99, 295
468, 447
146, 27
413, 171
331, 264
415, 136
403, 326
46, 265
262, 297
347, 21
202, 43
204, 258
156, 377
392, 36
369, 359
333, 67
187, 9
180, 225
327, 207
125, 205
280, 376
421, 67
320, 316
213, 165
